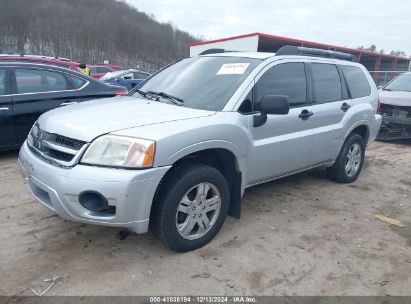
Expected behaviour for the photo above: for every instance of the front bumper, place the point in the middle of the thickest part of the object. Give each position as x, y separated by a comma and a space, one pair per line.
394, 128
58, 189
396, 122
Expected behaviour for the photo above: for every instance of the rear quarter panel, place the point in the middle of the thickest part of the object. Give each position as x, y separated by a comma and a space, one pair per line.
362, 112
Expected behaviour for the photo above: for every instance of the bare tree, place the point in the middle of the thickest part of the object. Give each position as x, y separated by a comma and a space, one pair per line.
91, 31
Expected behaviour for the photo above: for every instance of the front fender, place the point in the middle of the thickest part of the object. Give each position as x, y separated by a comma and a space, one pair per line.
210, 144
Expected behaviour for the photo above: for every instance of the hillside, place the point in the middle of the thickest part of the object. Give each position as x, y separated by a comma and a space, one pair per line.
91, 31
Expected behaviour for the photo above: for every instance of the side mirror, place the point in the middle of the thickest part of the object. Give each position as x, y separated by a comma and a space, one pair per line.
275, 104
271, 104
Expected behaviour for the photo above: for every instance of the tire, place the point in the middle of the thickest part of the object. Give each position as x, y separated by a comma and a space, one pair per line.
339, 171
173, 214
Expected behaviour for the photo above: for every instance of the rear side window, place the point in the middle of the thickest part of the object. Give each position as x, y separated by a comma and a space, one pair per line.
284, 79
100, 70
34, 81
327, 82
2, 82
356, 80
103, 70
138, 75
77, 82
128, 76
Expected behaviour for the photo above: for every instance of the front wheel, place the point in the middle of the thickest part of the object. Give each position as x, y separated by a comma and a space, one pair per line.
191, 206
348, 165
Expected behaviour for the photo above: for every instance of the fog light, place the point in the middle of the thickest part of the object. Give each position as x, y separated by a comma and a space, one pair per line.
94, 201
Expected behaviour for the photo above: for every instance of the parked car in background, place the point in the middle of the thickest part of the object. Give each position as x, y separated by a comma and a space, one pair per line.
178, 152
57, 61
99, 70
126, 78
395, 108
27, 90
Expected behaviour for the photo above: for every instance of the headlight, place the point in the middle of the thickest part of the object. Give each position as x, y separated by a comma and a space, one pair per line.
33, 134
120, 151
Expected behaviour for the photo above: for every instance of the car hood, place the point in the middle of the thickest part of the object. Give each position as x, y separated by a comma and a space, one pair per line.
87, 120
396, 98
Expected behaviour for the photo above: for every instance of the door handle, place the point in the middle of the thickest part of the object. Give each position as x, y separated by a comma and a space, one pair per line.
67, 103
305, 114
345, 106
4, 109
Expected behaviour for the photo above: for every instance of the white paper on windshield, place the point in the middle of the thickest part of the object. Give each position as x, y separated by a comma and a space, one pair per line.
233, 68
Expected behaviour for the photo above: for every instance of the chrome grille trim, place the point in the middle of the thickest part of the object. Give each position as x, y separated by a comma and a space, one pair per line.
60, 148
55, 149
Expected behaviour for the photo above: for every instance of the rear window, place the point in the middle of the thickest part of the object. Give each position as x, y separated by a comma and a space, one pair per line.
139, 75
356, 80
327, 82
99, 70
128, 76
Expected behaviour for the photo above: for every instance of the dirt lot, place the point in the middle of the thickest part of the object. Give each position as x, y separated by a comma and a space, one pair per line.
302, 235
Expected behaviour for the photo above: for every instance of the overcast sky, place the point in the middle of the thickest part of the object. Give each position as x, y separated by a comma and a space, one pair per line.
352, 23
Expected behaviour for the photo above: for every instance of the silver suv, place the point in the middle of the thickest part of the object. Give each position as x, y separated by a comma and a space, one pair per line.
180, 150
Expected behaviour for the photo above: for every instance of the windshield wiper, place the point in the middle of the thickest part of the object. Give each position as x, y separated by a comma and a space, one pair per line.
142, 93
173, 99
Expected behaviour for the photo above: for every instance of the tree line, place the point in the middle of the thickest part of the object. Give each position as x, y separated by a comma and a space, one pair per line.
373, 48
91, 31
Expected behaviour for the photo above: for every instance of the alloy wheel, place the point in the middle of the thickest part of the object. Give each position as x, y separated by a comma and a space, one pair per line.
198, 211
353, 160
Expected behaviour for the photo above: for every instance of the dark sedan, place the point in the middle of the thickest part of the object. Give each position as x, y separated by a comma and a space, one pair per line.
27, 90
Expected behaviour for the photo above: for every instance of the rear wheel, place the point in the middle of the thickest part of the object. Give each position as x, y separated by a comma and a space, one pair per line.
191, 206
348, 165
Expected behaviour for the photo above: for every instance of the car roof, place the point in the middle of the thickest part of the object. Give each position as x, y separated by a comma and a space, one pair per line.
256, 55
128, 71
40, 65
266, 55
132, 70
103, 65
60, 60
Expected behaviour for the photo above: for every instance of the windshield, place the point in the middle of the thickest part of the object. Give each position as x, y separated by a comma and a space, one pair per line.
202, 82
110, 75
401, 83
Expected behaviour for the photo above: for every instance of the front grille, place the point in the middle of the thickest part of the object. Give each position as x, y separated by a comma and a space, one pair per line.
69, 142
59, 155
54, 148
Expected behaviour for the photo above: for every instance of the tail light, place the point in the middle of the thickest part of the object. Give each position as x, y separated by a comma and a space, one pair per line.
378, 105
120, 93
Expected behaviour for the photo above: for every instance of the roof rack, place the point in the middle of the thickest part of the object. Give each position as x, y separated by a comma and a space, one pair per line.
216, 51
304, 51
212, 51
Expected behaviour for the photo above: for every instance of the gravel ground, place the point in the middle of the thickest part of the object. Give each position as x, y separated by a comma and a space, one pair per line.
301, 235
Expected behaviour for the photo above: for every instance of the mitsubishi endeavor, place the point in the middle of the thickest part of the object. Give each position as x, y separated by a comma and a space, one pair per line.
178, 153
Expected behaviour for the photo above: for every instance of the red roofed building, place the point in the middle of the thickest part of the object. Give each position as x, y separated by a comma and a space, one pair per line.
259, 42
